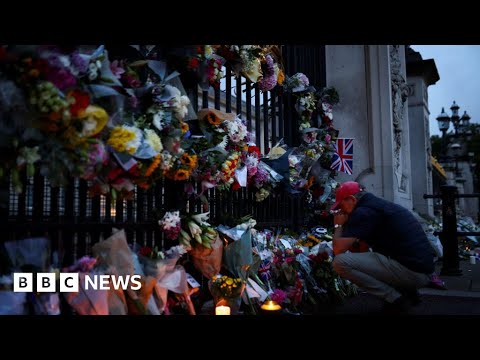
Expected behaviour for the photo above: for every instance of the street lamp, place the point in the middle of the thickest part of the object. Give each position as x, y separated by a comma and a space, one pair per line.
456, 150
460, 124
443, 124
465, 121
455, 118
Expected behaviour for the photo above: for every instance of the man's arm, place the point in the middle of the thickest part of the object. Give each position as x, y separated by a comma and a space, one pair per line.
341, 244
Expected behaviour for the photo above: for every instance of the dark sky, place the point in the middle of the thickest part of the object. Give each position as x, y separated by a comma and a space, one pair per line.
459, 70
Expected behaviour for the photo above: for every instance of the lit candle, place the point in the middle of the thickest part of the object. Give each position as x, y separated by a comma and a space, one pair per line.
222, 310
271, 305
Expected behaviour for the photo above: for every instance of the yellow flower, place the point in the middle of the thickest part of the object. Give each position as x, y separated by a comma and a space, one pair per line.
189, 160
184, 126
181, 175
153, 140
229, 281
281, 77
213, 119
125, 139
96, 118
153, 165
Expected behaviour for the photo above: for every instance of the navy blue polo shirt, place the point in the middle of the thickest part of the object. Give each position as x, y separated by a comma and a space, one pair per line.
391, 230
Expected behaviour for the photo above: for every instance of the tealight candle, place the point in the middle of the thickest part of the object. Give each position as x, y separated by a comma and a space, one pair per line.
271, 305
222, 310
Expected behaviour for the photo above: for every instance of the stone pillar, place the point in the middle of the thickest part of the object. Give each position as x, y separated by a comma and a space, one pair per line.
401, 127
369, 87
420, 74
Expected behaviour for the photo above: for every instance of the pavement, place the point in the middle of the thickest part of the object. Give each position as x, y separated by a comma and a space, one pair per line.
460, 298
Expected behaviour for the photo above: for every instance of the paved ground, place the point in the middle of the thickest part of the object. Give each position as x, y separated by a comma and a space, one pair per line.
462, 297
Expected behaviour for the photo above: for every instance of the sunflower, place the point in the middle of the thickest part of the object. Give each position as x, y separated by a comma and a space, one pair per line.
189, 160
213, 119
181, 174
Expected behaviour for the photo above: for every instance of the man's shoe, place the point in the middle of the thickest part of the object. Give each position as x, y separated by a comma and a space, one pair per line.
413, 295
399, 306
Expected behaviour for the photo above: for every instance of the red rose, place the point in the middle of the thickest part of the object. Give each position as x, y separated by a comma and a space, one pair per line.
145, 251
82, 100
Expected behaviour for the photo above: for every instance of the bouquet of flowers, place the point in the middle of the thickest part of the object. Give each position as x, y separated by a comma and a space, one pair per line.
227, 291
226, 287
197, 228
170, 224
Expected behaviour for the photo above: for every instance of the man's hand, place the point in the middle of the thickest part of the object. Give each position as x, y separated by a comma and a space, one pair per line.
340, 218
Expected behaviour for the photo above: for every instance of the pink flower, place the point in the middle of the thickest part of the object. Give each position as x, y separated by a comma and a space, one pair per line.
85, 264
328, 138
61, 78
279, 296
133, 101
289, 259
132, 81
117, 70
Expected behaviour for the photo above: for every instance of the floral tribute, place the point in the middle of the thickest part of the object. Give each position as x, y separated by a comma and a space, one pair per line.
121, 121
78, 113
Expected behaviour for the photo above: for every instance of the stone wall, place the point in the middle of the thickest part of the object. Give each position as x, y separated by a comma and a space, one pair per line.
371, 82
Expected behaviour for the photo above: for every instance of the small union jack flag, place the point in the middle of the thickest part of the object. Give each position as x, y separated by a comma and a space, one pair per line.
343, 158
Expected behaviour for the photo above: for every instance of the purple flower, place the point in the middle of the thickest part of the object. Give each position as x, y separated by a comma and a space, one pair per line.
261, 177
269, 79
61, 78
85, 264
279, 296
302, 78
117, 70
133, 101
79, 62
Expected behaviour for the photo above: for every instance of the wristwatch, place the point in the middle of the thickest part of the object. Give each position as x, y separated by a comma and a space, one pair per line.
336, 226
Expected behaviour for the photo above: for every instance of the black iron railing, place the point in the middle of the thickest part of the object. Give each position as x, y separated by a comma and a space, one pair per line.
74, 222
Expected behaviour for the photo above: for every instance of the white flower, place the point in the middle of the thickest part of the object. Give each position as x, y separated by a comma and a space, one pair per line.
180, 102
133, 144
167, 161
92, 71
194, 228
176, 251
201, 218
64, 60
158, 120
170, 220
153, 140
223, 143
89, 127
251, 161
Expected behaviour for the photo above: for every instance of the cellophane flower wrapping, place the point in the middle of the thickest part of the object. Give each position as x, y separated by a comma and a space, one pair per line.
115, 255
238, 252
208, 261
88, 301
33, 255
11, 303
169, 276
31, 252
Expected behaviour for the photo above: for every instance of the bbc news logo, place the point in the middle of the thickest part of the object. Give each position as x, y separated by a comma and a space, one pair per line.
70, 282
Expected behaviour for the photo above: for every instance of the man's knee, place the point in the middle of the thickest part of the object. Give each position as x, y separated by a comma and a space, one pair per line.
341, 264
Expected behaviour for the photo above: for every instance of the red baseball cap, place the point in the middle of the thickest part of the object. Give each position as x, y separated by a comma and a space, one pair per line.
345, 190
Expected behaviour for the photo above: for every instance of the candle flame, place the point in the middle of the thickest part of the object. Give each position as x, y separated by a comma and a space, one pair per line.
271, 305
